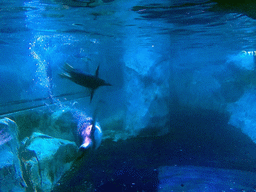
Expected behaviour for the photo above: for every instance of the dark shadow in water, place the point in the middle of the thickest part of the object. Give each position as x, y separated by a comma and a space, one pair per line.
245, 7
197, 137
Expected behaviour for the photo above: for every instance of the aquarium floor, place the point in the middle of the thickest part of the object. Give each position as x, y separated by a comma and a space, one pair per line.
134, 164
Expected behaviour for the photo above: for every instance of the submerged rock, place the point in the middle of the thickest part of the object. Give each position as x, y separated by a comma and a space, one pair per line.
10, 167
147, 104
61, 124
45, 159
243, 112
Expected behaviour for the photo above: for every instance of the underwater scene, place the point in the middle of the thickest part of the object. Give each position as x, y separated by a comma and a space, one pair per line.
127, 96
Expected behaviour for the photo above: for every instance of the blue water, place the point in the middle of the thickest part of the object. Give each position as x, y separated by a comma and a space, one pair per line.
181, 70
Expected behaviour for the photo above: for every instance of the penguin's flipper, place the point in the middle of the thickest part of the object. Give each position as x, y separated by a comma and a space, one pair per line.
92, 92
93, 122
65, 75
97, 71
68, 68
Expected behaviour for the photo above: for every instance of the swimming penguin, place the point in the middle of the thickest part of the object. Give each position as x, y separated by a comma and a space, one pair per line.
88, 136
90, 81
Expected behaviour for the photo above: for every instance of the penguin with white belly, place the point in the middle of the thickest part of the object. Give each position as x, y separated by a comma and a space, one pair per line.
88, 136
